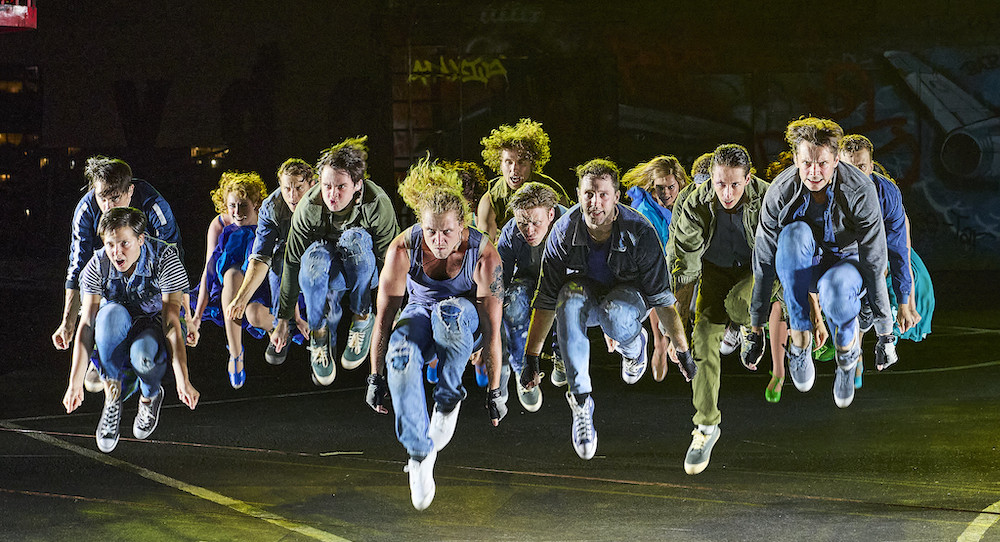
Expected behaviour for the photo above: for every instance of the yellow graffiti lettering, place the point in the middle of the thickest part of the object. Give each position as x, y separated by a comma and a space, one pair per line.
465, 70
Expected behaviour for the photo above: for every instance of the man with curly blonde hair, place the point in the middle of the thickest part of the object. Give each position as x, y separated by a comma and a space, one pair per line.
517, 153
450, 275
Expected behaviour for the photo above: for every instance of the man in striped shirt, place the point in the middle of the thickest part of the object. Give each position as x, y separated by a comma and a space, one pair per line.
137, 329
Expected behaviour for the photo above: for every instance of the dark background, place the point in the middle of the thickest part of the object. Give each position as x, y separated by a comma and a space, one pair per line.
172, 86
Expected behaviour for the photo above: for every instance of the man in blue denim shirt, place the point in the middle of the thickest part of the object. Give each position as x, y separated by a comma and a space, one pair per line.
821, 230
132, 291
274, 219
603, 265
522, 240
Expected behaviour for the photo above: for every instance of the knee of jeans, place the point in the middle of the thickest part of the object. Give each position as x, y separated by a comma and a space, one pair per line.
315, 268
795, 235
399, 353
356, 239
112, 316
571, 296
447, 316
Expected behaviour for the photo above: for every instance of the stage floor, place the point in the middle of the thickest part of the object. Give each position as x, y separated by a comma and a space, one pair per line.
914, 458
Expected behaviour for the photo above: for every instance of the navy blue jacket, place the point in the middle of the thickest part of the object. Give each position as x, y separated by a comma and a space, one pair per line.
85, 241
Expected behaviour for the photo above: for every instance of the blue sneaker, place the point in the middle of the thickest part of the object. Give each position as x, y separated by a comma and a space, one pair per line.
432, 374
857, 374
800, 366
584, 434
634, 368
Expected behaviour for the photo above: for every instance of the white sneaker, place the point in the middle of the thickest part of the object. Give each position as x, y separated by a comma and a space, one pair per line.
633, 369
731, 340
92, 380
442, 426
148, 416
422, 486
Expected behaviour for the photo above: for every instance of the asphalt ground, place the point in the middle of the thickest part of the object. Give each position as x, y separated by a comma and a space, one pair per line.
913, 458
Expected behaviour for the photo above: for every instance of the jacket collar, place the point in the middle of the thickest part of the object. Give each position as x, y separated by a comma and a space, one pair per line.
581, 236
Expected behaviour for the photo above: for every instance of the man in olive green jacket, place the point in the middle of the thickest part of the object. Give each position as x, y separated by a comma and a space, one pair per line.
336, 246
713, 240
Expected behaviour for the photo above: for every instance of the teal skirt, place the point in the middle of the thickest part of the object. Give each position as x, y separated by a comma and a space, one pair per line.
923, 290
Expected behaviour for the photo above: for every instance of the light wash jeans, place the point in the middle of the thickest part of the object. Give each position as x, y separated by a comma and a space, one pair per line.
620, 314
801, 269
329, 270
516, 317
448, 330
122, 340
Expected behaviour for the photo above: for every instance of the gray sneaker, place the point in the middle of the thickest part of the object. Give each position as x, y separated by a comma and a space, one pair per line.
273, 357
111, 417
700, 451
558, 371
634, 368
148, 416
800, 366
531, 399
843, 383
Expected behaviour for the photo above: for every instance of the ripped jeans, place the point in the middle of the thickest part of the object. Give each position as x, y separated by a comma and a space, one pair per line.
448, 330
329, 270
122, 339
620, 314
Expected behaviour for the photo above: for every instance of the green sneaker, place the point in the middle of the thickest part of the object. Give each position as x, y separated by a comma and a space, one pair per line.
359, 340
323, 368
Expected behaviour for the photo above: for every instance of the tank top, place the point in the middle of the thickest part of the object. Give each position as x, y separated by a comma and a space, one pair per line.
424, 290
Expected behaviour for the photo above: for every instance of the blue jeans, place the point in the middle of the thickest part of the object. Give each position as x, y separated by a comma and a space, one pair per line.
329, 270
121, 339
802, 268
448, 330
516, 317
620, 314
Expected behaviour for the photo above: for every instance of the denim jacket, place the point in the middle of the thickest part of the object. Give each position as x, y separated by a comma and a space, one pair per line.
515, 253
273, 222
142, 293
852, 225
85, 241
635, 257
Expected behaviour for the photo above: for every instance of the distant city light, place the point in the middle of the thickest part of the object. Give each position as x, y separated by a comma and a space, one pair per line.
214, 162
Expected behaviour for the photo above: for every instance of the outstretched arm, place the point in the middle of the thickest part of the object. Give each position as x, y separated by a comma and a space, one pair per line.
391, 289
489, 296
83, 347
178, 352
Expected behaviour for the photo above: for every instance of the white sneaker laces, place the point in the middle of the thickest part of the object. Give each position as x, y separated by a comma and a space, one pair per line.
699, 440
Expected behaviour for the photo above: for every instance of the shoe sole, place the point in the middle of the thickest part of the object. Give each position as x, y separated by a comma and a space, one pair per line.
558, 382
698, 468
530, 407
108, 449
351, 364
275, 359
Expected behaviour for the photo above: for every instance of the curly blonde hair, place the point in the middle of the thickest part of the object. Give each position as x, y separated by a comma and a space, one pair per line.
526, 138
429, 186
248, 185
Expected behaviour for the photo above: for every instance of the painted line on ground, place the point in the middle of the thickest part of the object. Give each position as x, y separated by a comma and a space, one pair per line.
200, 492
975, 531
